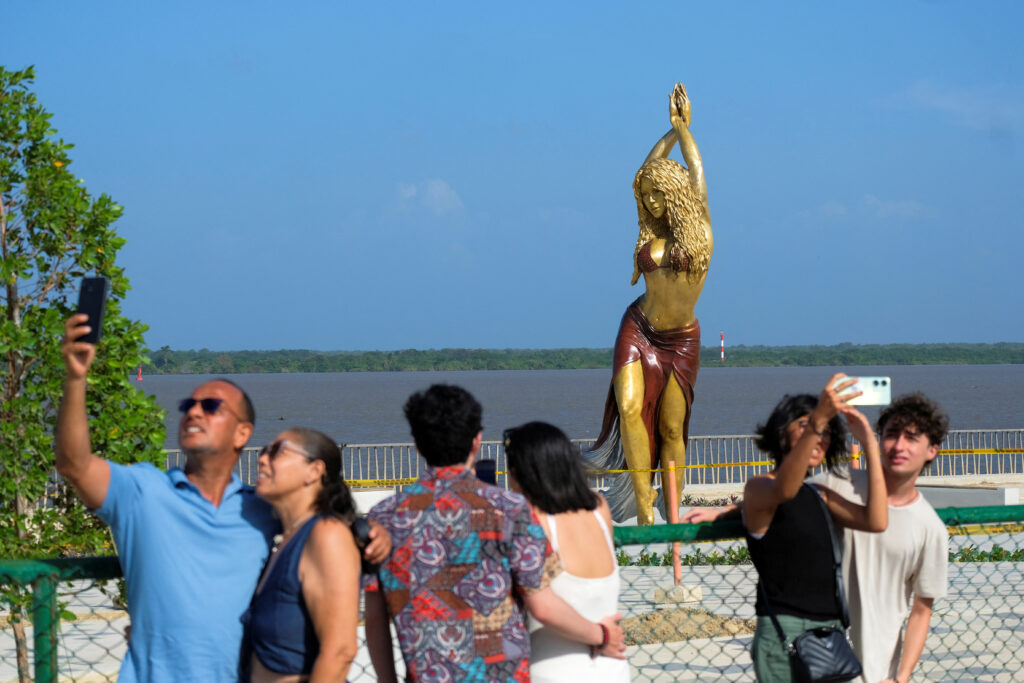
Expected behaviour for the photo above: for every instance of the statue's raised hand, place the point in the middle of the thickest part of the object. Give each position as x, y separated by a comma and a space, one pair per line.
679, 106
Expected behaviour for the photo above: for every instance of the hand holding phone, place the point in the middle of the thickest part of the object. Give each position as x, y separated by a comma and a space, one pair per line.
92, 300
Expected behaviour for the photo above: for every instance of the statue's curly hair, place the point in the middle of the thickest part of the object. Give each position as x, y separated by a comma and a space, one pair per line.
681, 222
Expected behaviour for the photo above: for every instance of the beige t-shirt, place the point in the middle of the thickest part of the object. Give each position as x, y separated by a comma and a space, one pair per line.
883, 571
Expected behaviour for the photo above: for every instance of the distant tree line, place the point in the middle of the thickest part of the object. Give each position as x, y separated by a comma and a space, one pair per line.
848, 354
204, 361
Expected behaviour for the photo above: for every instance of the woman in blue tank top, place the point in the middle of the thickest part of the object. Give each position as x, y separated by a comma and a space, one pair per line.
787, 533
303, 617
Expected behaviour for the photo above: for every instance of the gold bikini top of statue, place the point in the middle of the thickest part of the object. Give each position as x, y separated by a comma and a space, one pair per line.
677, 260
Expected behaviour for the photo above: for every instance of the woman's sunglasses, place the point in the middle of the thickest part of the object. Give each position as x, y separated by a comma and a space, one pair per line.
209, 405
274, 449
803, 423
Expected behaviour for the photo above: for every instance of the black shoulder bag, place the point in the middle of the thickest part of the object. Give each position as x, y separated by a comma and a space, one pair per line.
823, 653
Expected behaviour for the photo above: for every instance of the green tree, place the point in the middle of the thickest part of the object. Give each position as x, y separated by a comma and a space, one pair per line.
52, 232
224, 364
163, 359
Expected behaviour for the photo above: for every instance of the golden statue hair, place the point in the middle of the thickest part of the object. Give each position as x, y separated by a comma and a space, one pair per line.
681, 223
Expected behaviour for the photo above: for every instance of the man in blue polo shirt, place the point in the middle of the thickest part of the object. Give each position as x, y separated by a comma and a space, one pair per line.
191, 543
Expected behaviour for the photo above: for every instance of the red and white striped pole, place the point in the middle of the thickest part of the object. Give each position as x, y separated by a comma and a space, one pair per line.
723, 347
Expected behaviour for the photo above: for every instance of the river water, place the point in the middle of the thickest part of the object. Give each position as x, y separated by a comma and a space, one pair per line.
367, 407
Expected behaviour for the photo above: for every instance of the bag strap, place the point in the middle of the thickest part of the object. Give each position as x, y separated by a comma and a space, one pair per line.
837, 559
775, 620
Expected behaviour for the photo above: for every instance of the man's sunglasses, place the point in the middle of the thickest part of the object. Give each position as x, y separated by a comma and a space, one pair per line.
210, 406
274, 449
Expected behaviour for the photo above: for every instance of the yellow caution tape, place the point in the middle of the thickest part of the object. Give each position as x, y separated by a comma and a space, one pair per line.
377, 483
989, 529
686, 467
979, 451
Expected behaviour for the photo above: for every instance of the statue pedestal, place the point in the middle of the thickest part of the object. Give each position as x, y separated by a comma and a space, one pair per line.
678, 594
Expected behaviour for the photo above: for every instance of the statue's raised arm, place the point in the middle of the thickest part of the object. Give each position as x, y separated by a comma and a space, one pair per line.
675, 204
679, 115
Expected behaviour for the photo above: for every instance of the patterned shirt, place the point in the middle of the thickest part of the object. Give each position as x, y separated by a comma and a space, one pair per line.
459, 549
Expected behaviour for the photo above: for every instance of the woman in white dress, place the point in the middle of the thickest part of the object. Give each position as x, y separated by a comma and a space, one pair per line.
548, 469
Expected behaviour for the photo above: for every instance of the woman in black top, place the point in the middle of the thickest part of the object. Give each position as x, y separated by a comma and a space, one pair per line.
786, 530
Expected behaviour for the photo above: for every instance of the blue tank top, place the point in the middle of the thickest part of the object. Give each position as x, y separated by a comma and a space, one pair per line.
281, 632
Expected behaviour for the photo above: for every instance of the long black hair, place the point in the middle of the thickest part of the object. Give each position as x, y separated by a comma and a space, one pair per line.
334, 499
771, 436
548, 468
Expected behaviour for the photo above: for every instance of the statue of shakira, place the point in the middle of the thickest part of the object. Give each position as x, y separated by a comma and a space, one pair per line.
657, 350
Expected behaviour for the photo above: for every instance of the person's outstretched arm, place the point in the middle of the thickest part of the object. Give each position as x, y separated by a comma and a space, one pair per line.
87, 473
558, 615
875, 515
763, 494
701, 515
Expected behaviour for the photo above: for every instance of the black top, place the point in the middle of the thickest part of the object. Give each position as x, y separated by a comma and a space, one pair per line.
794, 560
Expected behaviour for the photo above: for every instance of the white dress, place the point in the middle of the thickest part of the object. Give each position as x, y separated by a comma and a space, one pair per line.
554, 659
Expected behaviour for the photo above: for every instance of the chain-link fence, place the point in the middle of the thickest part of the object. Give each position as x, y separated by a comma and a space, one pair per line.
699, 631
702, 630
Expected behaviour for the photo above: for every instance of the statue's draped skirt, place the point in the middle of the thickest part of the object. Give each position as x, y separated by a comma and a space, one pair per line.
661, 353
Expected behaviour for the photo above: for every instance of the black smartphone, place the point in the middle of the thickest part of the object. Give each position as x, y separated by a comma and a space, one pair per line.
361, 532
485, 471
92, 300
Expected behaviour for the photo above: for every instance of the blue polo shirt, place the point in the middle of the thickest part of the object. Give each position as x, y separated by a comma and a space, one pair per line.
190, 567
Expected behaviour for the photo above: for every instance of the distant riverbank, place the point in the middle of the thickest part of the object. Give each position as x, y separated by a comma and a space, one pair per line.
166, 361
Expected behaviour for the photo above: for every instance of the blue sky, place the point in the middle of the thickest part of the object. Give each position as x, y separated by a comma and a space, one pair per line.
388, 175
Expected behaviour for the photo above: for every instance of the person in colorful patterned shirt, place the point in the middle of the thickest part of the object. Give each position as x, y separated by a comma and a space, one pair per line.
466, 555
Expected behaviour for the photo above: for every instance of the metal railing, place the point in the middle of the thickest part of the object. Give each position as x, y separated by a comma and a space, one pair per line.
717, 460
703, 632
980, 451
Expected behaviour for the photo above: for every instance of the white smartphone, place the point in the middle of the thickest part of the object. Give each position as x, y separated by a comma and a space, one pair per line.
876, 391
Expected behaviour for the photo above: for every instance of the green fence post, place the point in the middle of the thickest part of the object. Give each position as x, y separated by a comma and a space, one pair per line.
44, 623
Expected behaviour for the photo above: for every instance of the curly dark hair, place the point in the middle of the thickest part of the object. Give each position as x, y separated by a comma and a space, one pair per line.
916, 410
771, 436
444, 420
548, 468
335, 498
